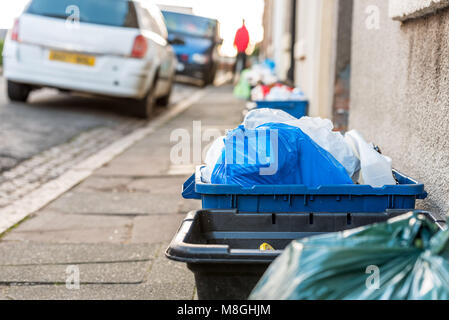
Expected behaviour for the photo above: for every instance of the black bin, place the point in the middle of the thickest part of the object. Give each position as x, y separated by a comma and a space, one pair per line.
221, 248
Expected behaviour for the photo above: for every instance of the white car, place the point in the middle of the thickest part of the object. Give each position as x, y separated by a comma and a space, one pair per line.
114, 48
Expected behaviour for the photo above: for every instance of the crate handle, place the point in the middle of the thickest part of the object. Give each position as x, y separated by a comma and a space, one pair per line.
188, 189
422, 196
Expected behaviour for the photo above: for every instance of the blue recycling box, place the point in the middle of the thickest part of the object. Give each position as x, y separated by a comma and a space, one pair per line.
300, 198
296, 108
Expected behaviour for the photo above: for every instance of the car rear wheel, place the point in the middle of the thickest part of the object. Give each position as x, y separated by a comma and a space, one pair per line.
165, 100
18, 92
209, 76
144, 108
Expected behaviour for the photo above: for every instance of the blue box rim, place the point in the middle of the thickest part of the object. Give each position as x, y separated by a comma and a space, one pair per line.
280, 101
413, 188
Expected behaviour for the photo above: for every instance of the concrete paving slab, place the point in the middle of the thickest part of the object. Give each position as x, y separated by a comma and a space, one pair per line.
155, 185
155, 144
170, 279
166, 280
95, 292
135, 199
116, 203
189, 205
159, 185
96, 273
51, 226
34, 253
130, 166
155, 229
3, 294
104, 184
85, 292
221, 115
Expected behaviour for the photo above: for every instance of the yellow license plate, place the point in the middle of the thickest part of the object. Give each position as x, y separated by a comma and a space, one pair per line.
74, 58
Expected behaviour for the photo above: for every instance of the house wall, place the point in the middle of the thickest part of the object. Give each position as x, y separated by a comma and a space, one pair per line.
267, 43
277, 36
315, 53
343, 65
400, 93
281, 37
402, 10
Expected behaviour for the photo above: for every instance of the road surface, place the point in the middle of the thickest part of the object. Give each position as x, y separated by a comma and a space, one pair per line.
52, 118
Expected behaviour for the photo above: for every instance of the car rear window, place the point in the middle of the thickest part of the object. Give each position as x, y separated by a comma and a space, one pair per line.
190, 24
118, 13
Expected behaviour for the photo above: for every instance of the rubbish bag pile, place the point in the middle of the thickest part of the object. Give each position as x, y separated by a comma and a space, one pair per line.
260, 83
243, 89
262, 73
252, 157
273, 147
406, 258
276, 92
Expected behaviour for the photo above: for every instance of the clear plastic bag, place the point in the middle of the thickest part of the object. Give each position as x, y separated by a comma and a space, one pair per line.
375, 168
212, 156
258, 117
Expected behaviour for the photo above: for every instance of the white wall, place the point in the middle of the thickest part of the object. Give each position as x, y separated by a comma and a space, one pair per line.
314, 53
281, 37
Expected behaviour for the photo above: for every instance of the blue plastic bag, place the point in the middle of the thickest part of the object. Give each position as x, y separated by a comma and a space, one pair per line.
276, 154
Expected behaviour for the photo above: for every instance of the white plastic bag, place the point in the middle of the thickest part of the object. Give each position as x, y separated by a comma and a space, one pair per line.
257, 93
260, 74
376, 169
258, 117
321, 131
278, 94
297, 95
212, 156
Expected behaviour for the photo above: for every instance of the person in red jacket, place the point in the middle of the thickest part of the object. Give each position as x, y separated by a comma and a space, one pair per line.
241, 42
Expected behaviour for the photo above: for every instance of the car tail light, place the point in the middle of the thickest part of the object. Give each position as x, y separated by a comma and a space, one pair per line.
140, 47
15, 31
184, 57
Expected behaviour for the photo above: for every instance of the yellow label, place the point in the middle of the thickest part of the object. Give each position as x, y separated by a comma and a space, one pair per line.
265, 247
74, 58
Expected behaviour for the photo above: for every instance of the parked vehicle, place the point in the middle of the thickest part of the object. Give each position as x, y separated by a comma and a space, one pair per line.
195, 40
116, 48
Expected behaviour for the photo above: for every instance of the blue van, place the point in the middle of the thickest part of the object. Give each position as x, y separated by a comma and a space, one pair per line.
195, 40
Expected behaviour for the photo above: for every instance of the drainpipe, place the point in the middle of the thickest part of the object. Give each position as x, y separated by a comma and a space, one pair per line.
291, 71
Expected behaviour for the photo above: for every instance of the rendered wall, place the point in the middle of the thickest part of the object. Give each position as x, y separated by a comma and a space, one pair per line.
400, 93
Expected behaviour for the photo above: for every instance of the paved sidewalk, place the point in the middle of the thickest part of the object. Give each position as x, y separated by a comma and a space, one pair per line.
115, 226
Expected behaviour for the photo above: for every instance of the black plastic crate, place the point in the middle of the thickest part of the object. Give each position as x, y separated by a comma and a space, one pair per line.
221, 248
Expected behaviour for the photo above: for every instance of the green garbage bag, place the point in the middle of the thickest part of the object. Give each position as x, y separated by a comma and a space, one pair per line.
243, 89
406, 258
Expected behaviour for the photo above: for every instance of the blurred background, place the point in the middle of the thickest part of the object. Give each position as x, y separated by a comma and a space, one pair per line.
307, 45
61, 111
229, 13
